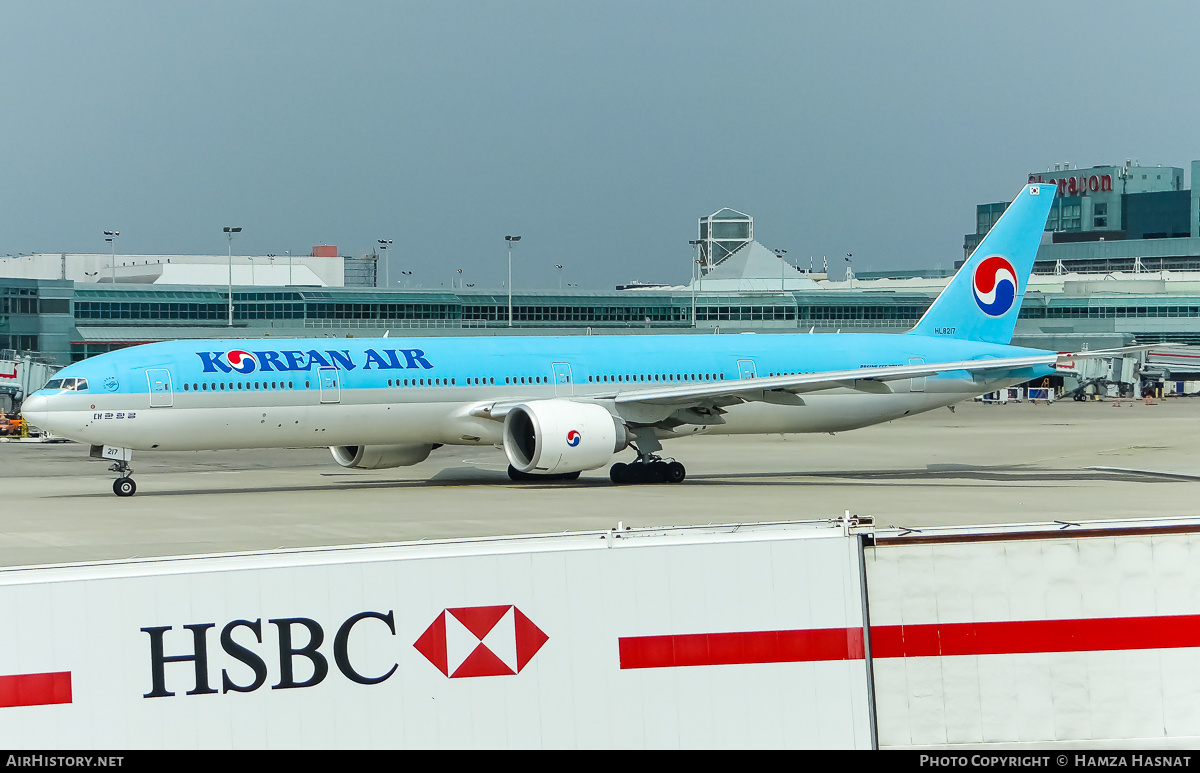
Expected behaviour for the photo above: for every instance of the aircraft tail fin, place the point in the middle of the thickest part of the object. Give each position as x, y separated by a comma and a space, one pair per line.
983, 299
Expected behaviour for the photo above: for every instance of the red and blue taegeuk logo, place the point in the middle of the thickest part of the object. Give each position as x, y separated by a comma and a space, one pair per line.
994, 285
242, 362
573, 438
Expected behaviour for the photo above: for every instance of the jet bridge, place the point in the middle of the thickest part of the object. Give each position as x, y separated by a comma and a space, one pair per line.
1177, 369
1112, 376
20, 375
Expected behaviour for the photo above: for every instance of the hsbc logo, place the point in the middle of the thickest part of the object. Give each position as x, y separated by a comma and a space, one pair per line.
481, 641
465, 641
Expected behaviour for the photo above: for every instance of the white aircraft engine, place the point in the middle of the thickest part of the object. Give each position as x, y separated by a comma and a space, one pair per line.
379, 457
546, 437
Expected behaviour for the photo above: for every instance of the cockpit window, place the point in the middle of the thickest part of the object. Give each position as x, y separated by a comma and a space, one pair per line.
72, 384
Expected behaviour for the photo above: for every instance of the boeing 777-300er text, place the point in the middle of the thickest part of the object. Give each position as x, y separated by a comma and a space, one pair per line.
557, 405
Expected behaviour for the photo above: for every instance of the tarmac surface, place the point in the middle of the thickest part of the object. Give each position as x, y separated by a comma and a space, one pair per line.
982, 464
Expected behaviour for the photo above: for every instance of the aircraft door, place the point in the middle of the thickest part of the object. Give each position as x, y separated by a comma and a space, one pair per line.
160, 387
916, 384
562, 380
331, 388
746, 369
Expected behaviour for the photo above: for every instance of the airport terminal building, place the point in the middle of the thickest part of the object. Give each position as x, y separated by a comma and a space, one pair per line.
1119, 264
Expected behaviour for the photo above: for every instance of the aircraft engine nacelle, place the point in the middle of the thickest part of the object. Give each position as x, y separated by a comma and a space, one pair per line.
379, 457
545, 437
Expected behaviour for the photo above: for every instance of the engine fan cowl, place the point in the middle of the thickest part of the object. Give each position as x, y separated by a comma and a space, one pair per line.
379, 457
546, 437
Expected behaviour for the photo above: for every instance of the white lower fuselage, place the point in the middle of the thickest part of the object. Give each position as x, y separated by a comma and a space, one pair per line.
297, 418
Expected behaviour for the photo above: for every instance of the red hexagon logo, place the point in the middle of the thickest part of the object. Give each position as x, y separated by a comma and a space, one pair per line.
481, 641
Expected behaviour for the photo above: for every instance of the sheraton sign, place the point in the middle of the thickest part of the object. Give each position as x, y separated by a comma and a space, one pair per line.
1080, 185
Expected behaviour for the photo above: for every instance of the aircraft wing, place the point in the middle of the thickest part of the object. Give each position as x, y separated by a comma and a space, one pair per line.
1119, 351
784, 389
861, 379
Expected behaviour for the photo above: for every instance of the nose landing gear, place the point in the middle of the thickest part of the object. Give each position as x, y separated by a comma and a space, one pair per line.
123, 486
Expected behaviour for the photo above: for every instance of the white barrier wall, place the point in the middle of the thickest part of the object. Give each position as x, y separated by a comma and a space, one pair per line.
1037, 638
682, 638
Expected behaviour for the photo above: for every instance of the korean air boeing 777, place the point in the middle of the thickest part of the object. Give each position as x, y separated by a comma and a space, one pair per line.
557, 405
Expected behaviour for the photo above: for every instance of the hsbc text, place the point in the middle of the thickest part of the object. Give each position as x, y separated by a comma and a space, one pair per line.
232, 638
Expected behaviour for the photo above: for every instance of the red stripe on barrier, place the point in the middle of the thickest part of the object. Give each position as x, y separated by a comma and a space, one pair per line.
1025, 636
912, 641
35, 689
722, 649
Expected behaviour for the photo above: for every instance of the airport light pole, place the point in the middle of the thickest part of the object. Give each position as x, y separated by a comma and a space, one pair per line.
559, 276
111, 238
383, 245
229, 232
850, 270
289, 257
510, 240
695, 269
779, 254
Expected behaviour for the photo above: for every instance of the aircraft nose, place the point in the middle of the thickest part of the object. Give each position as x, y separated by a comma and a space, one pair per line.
35, 409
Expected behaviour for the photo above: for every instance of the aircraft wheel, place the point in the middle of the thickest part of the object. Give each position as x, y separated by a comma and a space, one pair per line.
676, 472
657, 472
619, 473
124, 487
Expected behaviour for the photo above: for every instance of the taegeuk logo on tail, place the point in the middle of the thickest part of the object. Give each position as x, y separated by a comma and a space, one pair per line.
994, 285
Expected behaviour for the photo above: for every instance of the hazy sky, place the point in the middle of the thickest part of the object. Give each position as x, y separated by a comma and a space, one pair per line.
598, 131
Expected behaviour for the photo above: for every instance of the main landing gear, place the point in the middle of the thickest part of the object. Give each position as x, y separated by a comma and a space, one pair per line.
649, 467
650, 470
